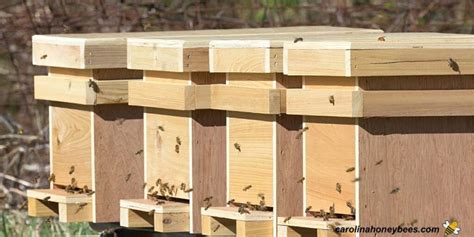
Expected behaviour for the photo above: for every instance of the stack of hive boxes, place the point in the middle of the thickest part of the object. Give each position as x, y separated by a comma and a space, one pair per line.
258, 132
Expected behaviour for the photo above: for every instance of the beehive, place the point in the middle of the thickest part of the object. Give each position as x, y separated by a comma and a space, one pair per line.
186, 103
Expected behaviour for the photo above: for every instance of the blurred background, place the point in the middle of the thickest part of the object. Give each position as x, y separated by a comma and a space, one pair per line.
24, 121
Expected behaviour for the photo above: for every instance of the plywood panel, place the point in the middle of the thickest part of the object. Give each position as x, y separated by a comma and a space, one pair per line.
208, 154
426, 158
330, 151
71, 143
289, 157
163, 160
118, 162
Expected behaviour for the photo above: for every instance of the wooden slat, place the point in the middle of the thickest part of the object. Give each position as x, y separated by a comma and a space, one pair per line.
388, 54
315, 223
78, 91
75, 212
171, 222
118, 158
109, 50
253, 228
59, 196
71, 143
146, 205
95, 74
134, 218
233, 214
160, 95
40, 208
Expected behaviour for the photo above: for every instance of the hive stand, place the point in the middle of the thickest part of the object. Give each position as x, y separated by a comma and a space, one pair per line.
394, 115
183, 100
310, 226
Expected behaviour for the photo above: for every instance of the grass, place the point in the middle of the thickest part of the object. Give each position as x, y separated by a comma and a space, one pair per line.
18, 223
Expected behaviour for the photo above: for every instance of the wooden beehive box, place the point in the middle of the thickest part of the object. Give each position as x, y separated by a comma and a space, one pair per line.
186, 118
389, 119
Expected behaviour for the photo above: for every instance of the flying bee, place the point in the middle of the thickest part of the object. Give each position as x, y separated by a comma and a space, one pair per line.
231, 201
237, 147
453, 65
308, 209
139, 152
357, 179
90, 193
151, 212
287, 219
46, 198
247, 188
71, 170
301, 180
395, 190
216, 228
300, 133
338, 187
188, 190
144, 185
92, 84
207, 206
151, 189
127, 178
207, 199
23, 205
161, 128
44, 56
176, 148
451, 227
381, 38
350, 169
261, 196
379, 162
80, 207
332, 100
298, 40
178, 141
52, 178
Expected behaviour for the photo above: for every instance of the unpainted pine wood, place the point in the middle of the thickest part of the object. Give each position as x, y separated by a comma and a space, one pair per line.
71, 143
160, 95
208, 153
75, 212
330, 151
163, 159
426, 159
171, 222
135, 218
214, 226
96, 74
314, 62
254, 134
147, 205
254, 228
59, 196
247, 60
118, 158
289, 157
39, 208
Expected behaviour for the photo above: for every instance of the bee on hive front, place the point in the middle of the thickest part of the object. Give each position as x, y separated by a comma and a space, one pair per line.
451, 227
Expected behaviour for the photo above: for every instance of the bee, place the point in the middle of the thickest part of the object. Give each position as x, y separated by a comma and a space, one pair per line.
355, 180
207, 199
188, 190
247, 188
52, 178
182, 187
165, 186
332, 100
231, 201
381, 38
338, 187
332, 210
151, 212
127, 178
151, 189
413, 222
46, 198
216, 228
167, 197
250, 206
73, 181
207, 206
237, 146
23, 205
155, 193
298, 40
85, 189
80, 207
301, 180
287, 219
167, 221
350, 218
90, 193
451, 227
178, 141
176, 148
261, 196
159, 202
453, 65
350, 169
144, 185
158, 182
44, 56
395, 190
261, 206
332, 227
300, 133
71, 170
139, 152
379, 162
242, 210
92, 84
161, 128
307, 209
324, 215
171, 190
